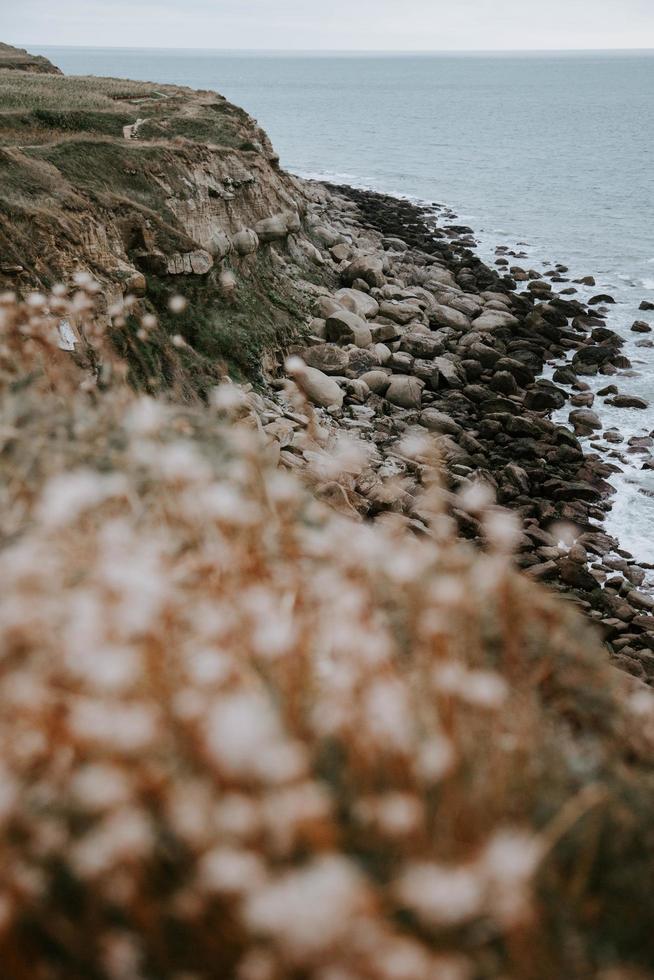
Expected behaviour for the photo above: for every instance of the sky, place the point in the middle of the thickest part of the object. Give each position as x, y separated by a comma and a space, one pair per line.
430, 25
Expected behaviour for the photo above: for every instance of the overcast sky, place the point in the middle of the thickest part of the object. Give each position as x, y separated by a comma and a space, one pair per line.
332, 24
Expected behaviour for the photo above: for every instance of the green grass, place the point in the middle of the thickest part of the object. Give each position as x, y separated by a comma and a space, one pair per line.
26, 91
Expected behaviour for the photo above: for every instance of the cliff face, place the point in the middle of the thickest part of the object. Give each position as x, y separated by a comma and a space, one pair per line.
17, 59
154, 190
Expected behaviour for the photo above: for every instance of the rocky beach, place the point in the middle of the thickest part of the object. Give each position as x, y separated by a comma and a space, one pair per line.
317, 661
401, 328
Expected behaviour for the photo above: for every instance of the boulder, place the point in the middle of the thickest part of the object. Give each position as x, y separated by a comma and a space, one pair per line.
405, 391
377, 381
316, 386
544, 398
426, 345
646, 305
357, 302
445, 316
627, 401
493, 320
446, 374
584, 420
328, 358
640, 326
345, 327
437, 421
198, 263
136, 284
272, 229
245, 242
401, 313
220, 245
365, 267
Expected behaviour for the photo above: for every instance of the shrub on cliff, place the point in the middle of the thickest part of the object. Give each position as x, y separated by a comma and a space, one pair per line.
244, 736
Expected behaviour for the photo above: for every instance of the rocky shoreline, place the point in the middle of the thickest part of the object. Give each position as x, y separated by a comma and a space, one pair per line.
412, 333
423, 336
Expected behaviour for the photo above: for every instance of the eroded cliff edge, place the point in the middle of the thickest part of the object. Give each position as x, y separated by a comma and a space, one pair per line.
157, 191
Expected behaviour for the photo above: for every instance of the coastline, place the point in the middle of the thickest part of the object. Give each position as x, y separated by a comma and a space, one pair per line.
633, 451
523, 434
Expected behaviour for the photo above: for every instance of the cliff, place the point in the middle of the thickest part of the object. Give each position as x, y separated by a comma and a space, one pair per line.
160, 191
154, 190
17, 59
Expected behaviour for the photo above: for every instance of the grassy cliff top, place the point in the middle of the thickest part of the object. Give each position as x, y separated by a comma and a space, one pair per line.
39, 109
17, 59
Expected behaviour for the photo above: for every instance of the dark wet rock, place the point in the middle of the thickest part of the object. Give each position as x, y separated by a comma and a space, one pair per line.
640, 326
583, 399
601, 298
584, 420
628, 401
575, 574
564, 376
646, 305
545, 397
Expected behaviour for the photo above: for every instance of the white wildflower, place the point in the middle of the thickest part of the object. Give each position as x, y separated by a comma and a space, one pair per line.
441, 896
231, 870
435, 759
476, 497
145, 417
100, 786
309, 910
123, 836
509, 863
387, 714
119, 725
177, 304
239, 728
503, 530
68, 495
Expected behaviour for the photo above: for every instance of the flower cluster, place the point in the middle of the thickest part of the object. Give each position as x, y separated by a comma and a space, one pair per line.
245, 736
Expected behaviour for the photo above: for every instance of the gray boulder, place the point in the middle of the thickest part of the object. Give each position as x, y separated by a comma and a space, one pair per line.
405, 391
345, 327
377, 381
328, 358
365, 267
272, 229
318, 388
494, 320
357, 302
437, 421
447, 317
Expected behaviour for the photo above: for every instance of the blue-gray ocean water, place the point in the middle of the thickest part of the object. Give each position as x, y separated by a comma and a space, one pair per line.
553, 150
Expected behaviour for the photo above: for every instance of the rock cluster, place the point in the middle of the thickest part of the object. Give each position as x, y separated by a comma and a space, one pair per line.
422, 338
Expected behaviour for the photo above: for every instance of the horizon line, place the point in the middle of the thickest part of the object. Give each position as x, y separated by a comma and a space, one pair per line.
346, 51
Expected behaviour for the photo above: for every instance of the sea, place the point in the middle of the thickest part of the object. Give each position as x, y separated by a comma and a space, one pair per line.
550, 154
